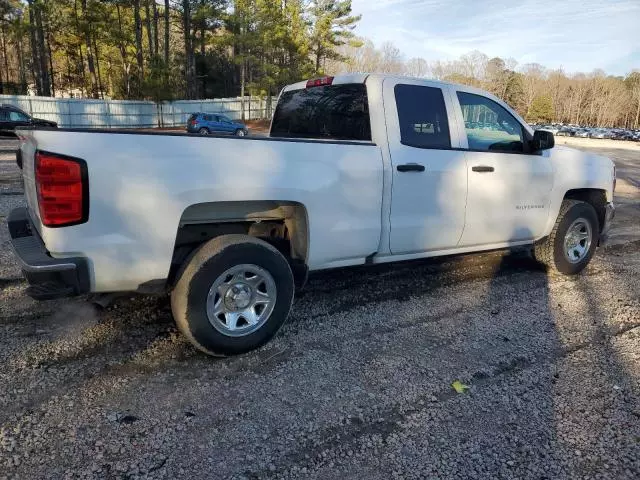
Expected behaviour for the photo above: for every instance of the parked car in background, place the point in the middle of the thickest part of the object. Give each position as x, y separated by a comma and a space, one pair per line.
583, 133
572, 130
206, 123
566, 132
600, 133
12, 117
549, 128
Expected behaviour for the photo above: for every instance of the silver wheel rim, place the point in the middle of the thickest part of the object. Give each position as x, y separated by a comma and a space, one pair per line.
204, 131
577, 240
240, 133
241, 300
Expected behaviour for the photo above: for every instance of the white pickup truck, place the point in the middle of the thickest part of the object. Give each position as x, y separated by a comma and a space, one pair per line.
358, 169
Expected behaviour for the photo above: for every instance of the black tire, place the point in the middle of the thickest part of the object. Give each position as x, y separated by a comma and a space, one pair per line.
203, 131
551, 250
212, 259
240, 133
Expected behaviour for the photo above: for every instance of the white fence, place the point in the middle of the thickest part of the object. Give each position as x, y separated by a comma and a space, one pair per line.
89, 113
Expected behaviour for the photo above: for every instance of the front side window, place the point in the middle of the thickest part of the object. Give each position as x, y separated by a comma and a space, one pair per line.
489, 126
422, 116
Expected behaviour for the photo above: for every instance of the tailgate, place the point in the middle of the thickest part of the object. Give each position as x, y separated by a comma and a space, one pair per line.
27, 150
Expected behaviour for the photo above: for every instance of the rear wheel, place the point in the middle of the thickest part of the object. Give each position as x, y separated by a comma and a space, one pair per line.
573, 240
240, 133
232, 295
203, 131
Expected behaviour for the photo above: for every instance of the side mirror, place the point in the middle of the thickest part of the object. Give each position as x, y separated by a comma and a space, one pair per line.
542, 140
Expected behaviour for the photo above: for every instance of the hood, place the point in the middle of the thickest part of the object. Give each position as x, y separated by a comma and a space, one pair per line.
583, 167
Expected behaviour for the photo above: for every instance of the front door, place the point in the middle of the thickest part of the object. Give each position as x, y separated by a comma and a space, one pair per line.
509, 186
429, 178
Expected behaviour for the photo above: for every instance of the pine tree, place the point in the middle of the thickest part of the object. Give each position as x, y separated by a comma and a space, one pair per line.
333, 26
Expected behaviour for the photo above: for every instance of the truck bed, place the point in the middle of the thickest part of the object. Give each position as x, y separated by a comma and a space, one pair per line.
141, 183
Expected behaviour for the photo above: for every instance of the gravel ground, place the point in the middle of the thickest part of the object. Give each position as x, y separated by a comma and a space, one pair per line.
357, 384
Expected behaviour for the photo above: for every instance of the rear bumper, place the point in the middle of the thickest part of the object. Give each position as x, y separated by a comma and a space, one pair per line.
48, 277
610, 213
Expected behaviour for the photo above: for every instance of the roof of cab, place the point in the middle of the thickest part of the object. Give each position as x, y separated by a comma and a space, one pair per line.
343, 78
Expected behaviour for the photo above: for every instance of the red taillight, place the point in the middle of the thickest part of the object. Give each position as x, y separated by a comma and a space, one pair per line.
319, 82
62, 187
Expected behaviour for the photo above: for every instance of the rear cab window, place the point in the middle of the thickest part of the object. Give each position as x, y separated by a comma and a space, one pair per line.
422, 116
336, 112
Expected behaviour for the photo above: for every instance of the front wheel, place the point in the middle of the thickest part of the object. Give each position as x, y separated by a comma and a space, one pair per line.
240, 133
573, 240
232, 295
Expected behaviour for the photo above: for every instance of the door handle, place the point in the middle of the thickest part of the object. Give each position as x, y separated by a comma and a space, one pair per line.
410, 167
482, 168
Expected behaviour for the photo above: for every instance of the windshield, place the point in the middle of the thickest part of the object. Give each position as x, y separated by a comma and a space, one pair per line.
338, 112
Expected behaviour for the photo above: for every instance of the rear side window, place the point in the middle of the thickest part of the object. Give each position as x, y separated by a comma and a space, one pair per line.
338, 112
422, 116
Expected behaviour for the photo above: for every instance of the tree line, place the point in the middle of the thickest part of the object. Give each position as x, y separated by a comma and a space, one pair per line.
167, 49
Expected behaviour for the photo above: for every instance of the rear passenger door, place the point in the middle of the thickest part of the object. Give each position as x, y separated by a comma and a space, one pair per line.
429, 177
212, 123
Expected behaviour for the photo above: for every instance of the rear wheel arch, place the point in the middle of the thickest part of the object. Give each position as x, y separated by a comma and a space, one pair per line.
282, 224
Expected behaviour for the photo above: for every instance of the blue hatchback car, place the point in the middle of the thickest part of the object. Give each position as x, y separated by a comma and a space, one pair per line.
206, 123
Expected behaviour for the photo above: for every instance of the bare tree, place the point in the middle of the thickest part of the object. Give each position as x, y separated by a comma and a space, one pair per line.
391, 61
532, 84
417, 67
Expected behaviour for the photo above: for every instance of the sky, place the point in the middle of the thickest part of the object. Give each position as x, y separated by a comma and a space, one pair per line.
577, 35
